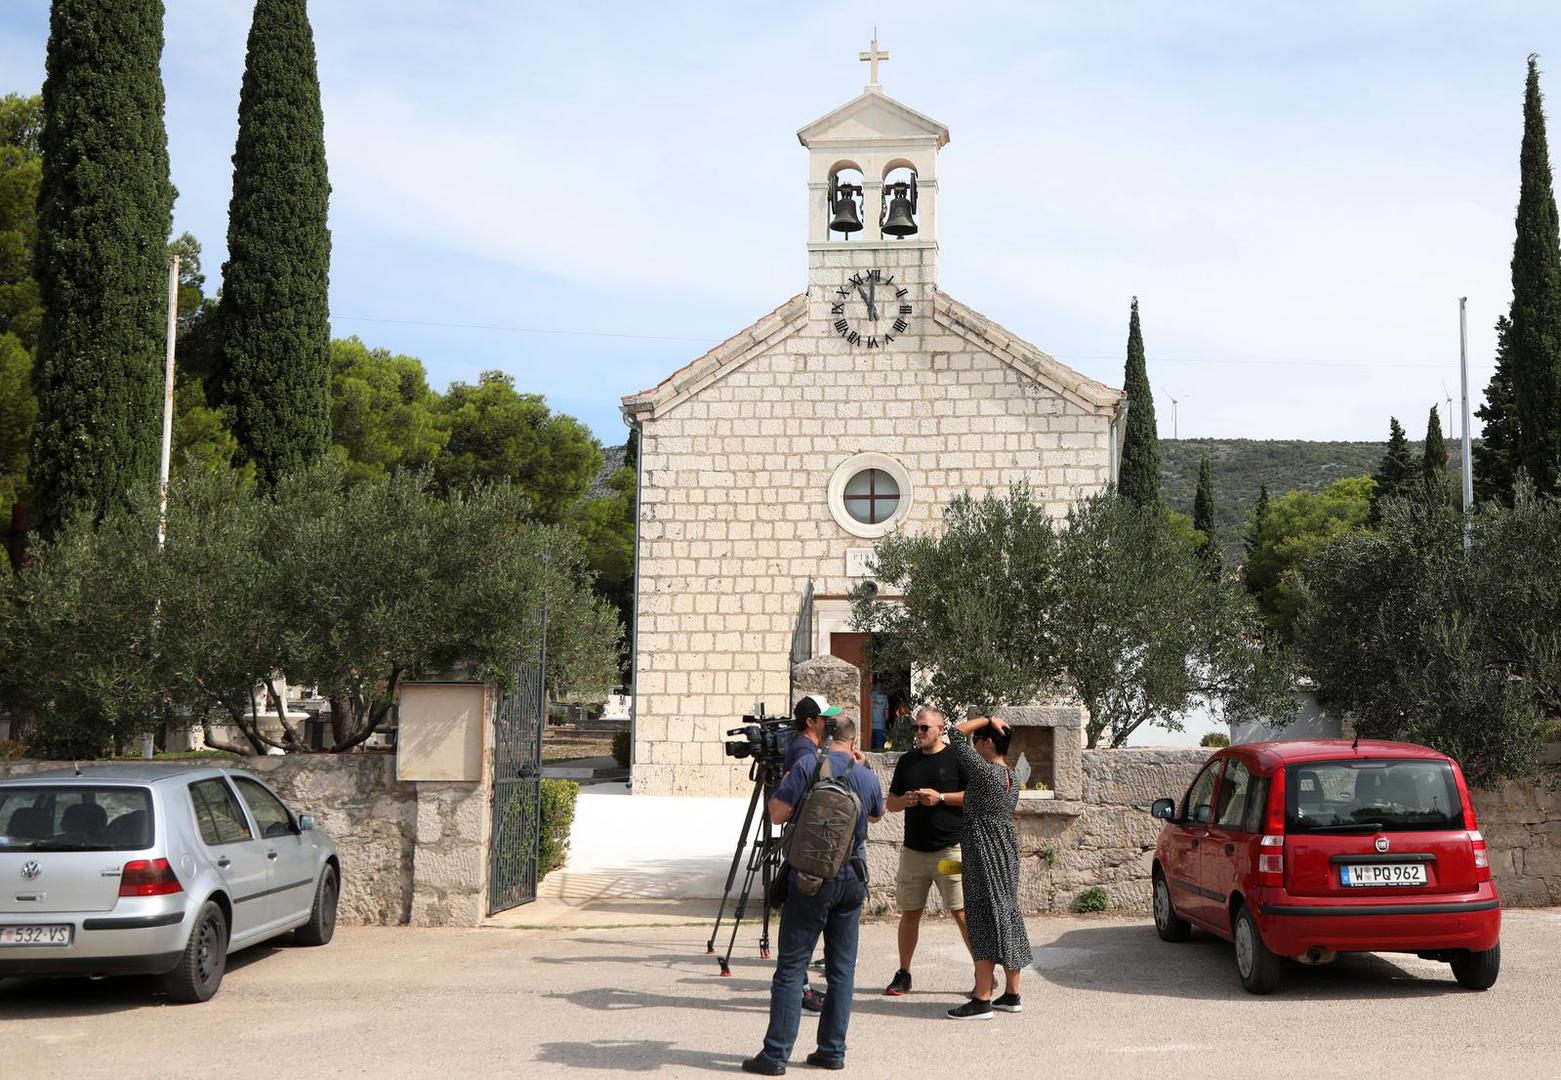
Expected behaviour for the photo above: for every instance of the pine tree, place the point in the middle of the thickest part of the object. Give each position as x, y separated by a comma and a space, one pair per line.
1536, 300
1258, 519
105, 208
1496, 455
274, 314
1139, 477
1394, 474
1203, 519
1433, 461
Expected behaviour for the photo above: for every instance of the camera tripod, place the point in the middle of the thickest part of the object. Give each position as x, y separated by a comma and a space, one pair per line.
764, 860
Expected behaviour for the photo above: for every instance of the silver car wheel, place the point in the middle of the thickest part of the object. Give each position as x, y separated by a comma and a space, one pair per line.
1162, 903
1244, 947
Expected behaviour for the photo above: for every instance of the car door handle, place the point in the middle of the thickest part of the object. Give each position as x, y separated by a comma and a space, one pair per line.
1230, 849
1195, 841
271, 855
224, 862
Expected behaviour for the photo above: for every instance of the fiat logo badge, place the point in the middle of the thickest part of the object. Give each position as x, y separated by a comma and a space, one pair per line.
31, 870
1382, 843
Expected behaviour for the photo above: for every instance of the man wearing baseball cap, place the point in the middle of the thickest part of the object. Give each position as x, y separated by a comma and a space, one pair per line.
809, 716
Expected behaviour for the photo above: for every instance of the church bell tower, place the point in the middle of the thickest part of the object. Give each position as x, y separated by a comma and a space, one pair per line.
872, 171
872, 219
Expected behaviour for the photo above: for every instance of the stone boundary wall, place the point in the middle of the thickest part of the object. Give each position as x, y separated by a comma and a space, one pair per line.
1522, 825
411, 852
1107, 838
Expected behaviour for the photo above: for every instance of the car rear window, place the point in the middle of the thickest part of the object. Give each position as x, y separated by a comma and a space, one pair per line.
86, 817
1357, 796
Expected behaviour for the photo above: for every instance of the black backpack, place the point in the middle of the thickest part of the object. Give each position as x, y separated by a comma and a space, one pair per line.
821, 836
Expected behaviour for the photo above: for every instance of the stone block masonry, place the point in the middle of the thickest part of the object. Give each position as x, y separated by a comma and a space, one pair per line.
735, 521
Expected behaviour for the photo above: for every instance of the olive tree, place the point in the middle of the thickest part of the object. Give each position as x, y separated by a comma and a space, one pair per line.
1111, 608
1422, 640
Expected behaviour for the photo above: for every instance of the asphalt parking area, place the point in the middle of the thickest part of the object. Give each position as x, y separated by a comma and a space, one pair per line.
1106, 998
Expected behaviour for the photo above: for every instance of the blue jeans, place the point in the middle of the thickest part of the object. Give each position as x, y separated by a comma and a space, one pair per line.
834, 912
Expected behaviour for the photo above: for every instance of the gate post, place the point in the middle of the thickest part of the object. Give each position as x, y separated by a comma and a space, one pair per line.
444, 745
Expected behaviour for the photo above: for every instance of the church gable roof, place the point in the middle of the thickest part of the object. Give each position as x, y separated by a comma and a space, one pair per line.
720, 361
984, 334
1025, 358
873, 115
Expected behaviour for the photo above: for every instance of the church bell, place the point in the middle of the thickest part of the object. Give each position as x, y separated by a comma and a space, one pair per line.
842, 204
898, 220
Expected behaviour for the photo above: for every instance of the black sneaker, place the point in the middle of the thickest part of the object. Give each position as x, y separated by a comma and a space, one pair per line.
1008, 1003
974, 1009
819, 1061
812, 1000
763, 1066
900, 984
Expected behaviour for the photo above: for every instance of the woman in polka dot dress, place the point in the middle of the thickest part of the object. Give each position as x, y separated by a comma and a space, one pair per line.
989, 848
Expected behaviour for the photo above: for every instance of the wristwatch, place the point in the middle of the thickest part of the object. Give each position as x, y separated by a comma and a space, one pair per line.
940, 798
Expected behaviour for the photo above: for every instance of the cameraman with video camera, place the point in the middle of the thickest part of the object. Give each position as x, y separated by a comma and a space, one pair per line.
828, 800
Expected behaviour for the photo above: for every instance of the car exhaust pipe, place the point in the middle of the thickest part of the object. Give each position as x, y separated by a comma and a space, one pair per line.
1317, 956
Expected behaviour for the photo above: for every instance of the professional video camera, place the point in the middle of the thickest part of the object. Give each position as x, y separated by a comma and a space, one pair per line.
763, 738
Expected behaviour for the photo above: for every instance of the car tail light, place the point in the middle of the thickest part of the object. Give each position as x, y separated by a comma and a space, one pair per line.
1482, 856
1271, 860
148, 877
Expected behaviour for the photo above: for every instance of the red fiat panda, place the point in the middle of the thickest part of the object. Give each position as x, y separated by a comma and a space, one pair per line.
1310, 849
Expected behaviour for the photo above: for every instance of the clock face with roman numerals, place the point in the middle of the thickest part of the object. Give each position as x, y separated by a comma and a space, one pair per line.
870, 309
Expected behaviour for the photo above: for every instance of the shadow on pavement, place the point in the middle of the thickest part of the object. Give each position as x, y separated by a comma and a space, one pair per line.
22, 997
1131, 959
632, 1055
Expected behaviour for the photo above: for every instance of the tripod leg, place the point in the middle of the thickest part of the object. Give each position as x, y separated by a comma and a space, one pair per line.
771, 868
731, 874
762, 849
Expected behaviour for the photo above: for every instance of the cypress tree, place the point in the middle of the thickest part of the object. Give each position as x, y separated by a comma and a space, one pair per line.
1397, 468
1139, 477
1256, 522
1496, 455
1433, 461
1536, 300
1203, 519
275, 315
105, 208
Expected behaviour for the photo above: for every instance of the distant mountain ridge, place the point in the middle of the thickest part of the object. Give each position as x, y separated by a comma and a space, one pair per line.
1243, 466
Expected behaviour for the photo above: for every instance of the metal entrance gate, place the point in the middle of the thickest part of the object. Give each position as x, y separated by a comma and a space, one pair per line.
517, 792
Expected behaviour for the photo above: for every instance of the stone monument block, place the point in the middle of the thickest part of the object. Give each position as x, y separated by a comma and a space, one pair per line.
832, 677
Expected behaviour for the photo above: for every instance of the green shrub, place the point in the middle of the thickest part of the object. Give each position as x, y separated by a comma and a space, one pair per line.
558, 815
1093, 898
1215, 738
12, 751
1550, 731
620, 749
1049, 856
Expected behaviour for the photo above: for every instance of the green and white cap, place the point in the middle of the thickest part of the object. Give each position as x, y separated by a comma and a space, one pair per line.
811, 705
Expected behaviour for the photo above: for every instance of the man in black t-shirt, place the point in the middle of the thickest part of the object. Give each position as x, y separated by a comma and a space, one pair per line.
929, 786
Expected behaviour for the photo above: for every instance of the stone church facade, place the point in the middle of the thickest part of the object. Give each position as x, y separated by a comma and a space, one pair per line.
772, 464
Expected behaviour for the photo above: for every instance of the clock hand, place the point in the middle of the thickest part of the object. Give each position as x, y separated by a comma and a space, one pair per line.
872, 308
872, 312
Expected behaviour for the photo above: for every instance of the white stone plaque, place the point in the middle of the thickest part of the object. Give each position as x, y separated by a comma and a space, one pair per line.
859, 562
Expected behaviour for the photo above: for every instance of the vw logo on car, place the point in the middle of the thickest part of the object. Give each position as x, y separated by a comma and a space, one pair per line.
31, 870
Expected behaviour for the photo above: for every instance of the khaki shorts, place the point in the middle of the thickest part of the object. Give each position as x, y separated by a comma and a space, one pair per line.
917, 874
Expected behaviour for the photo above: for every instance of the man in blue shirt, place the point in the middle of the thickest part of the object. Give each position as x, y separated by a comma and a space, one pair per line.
834, 911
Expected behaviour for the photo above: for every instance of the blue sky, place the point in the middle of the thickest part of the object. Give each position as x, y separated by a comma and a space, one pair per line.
1298, 194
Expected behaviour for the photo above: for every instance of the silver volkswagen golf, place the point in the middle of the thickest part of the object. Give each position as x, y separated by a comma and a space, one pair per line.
162, 870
